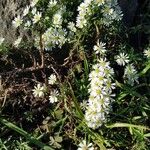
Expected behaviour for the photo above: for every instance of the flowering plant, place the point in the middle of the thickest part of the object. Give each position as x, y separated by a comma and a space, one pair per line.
76, 77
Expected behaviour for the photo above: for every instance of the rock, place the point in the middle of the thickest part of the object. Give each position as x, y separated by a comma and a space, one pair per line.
129, 8
8, 10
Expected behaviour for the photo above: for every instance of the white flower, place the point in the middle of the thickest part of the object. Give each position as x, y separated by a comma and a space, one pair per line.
27, 24
122, 59
38, 90
88, 2
17, 42
57, 19
85, 146
130, 74
37, 17
72, 27
1, 40
84, 11
53, 96
33, 3
147, 53
100, 91
17, 21
52, 79
100, 48
34, 10
26, 11
82, 7
81, 22
52, 3
53, 37
100, 2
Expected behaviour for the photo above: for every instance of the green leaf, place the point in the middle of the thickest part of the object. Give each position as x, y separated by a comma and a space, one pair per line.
25, 134
126, 125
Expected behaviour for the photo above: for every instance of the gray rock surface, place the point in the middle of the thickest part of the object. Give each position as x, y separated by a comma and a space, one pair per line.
8, 10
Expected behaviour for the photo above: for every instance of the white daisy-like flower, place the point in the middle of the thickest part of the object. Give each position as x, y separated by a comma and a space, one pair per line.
82, 7
34, 10
38, 90
57, 19
17, 42
147, 53
26, 10
52, 79
37, 17
53, 96
100, 48
33, 3
72, 27
17, 21
130, 74
1, 40
52, 3
100, 2
27, 24
88, 2
122, 59
85, 146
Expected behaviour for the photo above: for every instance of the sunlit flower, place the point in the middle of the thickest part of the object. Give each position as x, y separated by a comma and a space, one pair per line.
17, 42
57, 19
147, 53
100, 2
26, 11
52, 79
100, 48
1, 40
34, 10
38, 90
130, 74
17, 21
72, 27
122, 59
85, 146
53, 96
33, 3
37, 17
52, 3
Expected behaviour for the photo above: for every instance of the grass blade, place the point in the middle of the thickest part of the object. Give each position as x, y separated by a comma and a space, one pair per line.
25, 134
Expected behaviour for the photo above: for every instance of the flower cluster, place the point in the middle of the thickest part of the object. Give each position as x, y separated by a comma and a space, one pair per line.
83, 10
130, 74
53, 37
100, 90
111, 11
109, 8
39, 91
